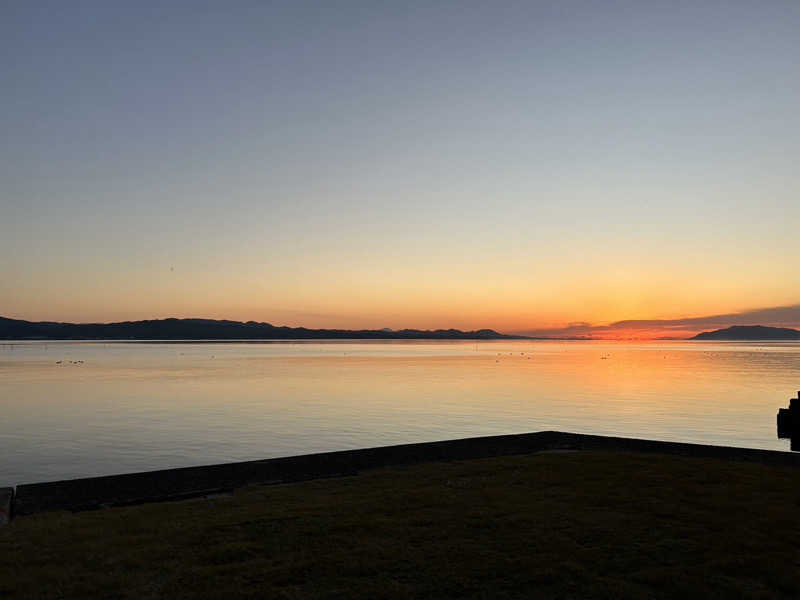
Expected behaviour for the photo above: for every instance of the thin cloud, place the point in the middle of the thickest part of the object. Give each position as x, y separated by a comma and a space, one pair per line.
779, 316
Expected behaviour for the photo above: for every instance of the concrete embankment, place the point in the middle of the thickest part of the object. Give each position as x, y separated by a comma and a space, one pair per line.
176, 484
6, 497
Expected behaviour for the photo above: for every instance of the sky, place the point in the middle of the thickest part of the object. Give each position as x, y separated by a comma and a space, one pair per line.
523, 166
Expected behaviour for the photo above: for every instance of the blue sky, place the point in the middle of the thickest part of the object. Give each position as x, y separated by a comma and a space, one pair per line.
519, 165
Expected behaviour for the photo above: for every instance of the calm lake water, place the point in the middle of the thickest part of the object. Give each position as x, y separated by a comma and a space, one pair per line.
140, 406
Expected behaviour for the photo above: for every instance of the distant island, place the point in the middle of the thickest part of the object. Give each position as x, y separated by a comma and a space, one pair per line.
750, 332
209, 329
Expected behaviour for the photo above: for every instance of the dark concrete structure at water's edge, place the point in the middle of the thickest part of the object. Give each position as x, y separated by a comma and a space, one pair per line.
193, 482
789, 423
6, 498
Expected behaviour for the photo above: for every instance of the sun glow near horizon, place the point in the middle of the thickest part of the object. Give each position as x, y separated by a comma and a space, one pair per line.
400, 166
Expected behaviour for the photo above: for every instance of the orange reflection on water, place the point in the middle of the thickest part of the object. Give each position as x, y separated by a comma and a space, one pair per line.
136, 407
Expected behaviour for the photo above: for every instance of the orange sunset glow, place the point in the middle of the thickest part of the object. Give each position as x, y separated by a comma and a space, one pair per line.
505, 179
451, 299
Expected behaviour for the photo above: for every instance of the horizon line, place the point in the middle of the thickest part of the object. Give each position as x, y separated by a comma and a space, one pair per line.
568, 334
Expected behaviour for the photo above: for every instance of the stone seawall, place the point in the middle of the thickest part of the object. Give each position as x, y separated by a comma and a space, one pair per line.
6, 499
188, 482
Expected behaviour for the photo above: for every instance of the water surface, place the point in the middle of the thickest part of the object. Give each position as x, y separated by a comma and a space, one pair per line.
140, 406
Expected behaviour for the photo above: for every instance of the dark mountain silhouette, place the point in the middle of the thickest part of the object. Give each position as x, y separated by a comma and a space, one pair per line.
750, 332
209, 329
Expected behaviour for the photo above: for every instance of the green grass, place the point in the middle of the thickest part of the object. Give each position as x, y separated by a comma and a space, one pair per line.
578, 525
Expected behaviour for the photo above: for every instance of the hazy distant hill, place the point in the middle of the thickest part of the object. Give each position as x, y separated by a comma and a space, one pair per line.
750, 332
208, 329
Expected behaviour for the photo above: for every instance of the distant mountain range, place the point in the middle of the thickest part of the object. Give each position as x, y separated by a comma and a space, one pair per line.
209, 329
750, 332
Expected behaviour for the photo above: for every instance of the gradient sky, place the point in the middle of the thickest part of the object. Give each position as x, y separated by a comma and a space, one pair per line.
514, 165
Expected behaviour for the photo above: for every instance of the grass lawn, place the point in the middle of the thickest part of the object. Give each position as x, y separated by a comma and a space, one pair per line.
569, 525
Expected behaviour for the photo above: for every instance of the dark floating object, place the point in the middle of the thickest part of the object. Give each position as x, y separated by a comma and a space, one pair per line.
789, 423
